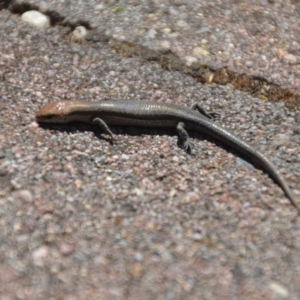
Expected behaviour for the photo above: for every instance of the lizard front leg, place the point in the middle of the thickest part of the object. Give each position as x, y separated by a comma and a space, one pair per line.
104, 127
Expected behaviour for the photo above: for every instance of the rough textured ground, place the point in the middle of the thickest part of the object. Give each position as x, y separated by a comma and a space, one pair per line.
81, 218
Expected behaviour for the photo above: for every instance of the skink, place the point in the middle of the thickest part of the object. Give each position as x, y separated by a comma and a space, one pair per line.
156, 114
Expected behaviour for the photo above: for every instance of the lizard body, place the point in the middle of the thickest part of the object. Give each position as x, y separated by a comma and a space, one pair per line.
157, 114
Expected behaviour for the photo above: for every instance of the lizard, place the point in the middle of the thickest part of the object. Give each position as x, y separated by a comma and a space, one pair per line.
157, 114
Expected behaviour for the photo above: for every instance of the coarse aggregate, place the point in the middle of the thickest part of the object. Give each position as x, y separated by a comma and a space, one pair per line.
257, 37
82, 218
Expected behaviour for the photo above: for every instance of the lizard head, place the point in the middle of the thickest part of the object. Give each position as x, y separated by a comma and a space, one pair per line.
55, 112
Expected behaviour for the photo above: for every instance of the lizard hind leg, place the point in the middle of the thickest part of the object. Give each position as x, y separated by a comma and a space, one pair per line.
184, 137
202, 111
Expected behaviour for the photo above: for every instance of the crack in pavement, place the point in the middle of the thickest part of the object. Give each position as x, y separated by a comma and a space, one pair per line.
253, 85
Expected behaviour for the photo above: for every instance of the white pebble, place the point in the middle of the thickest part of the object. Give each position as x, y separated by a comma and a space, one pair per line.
39, 256
125, 89
152, 33
280, 139
190, 60
125, 157
24, 195
200, 51
36, 19
165, 45
182, 24
78, 34
279, 290
167, 30
99, 7
290, 58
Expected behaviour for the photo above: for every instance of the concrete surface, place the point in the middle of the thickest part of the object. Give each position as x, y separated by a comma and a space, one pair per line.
81, 218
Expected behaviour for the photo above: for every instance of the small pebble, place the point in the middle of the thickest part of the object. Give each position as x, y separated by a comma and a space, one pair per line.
24, 195
165, 45
190, 60
36, 19
249, 63
197, 236
124, 156
290, 58
66, 249
200, 51
152, 33
39, 255
78, 34
280, 140
279, 290
125, 89
182, 24
138, 256
167, 30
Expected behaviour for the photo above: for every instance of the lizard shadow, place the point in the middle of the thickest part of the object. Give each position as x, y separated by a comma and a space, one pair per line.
117, 130
140, 131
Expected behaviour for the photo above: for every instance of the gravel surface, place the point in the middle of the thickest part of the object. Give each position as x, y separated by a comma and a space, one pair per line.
258, 37
81, 218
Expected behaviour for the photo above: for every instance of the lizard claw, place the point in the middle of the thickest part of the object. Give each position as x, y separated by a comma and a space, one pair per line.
187, 146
